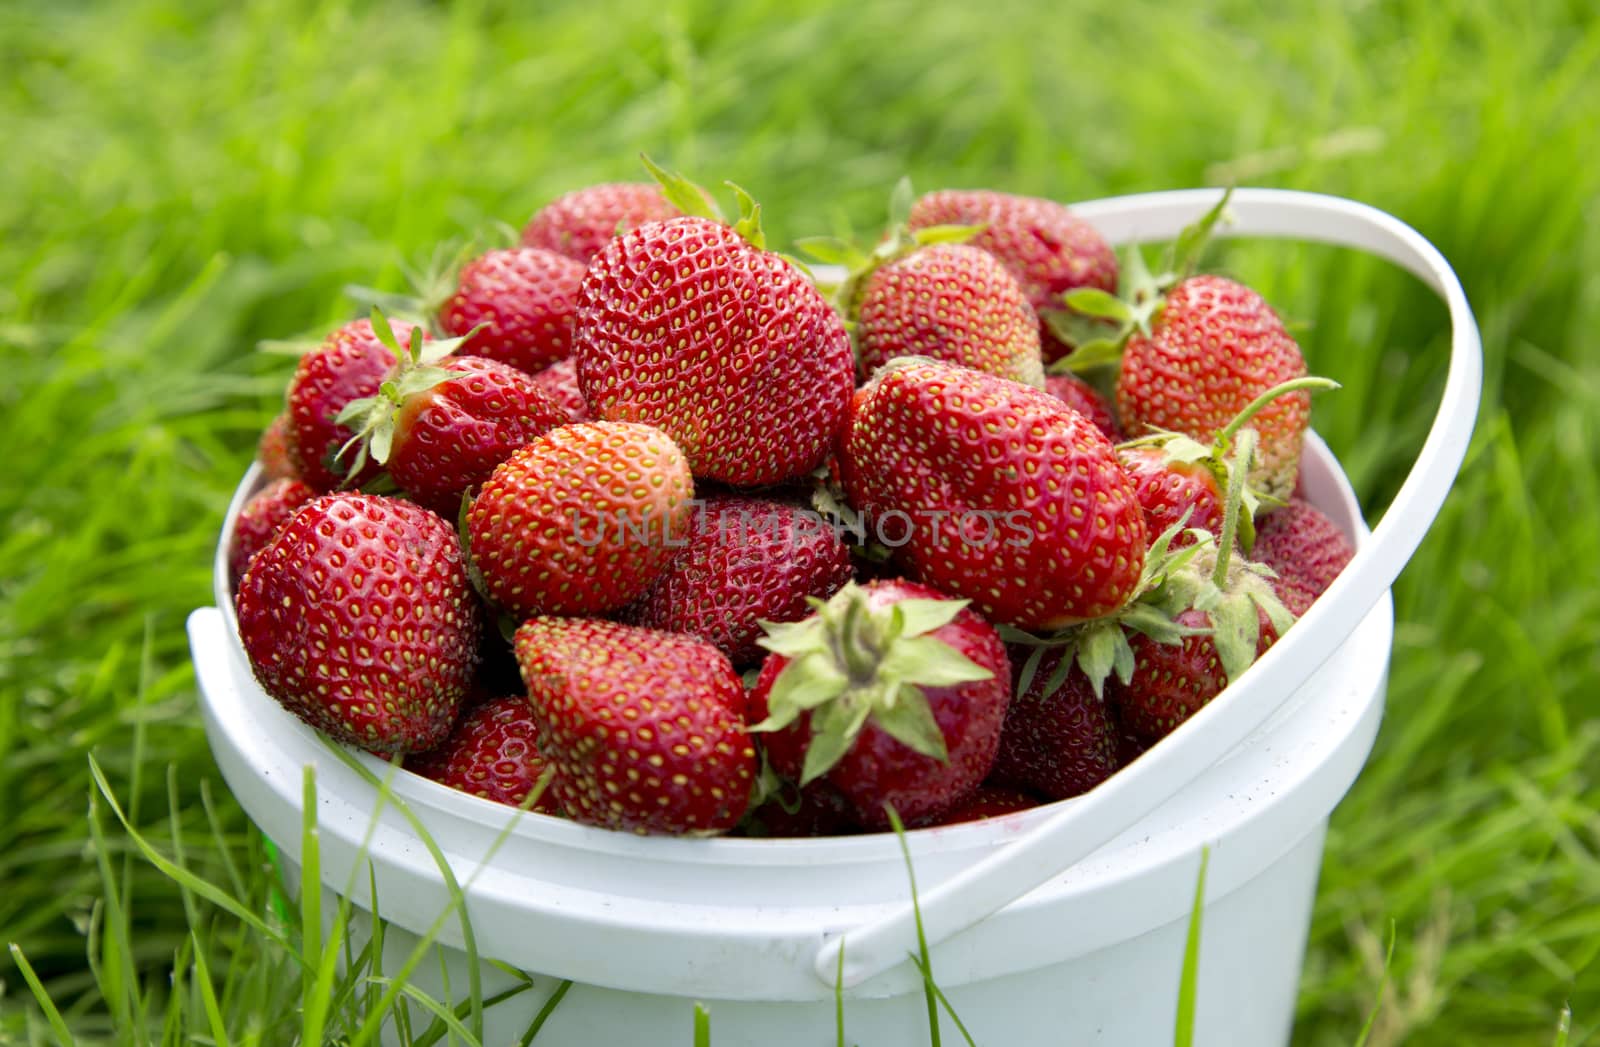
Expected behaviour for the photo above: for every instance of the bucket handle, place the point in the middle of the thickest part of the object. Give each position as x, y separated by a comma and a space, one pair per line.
1088, 822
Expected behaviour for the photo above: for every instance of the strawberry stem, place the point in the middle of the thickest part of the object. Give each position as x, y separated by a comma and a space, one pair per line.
1234, 504
1255, 406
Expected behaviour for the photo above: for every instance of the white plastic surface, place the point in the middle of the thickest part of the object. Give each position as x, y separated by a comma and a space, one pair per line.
647, 925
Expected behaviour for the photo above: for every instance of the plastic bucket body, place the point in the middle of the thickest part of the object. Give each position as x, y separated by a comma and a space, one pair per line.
1062, 924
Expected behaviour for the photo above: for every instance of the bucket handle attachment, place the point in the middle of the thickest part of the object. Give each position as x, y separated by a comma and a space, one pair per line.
1086, 823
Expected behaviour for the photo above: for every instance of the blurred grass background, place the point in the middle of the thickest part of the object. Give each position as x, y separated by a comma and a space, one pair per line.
182, 179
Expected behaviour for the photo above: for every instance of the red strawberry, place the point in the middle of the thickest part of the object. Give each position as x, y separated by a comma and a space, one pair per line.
273, 450
1306, 550
994, 491
1213, 348
688, 326
747, 559
350, 364
950, 302
266, 511
582, 520
1168, 488
1173, 681
359, 618
443, 428
990, 801
521, 301
892, 693
1058, 741
560, 380
1046, 247
580, 223
1086, 399
645, 728
817, 810
492, 753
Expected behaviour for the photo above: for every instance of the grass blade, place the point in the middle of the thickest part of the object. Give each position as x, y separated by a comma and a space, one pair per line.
1188, 981
702, 1026
57, 1025
545, 1012
1383, 985
208, 995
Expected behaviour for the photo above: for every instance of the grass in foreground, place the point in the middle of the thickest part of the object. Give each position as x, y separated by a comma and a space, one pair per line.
193, 178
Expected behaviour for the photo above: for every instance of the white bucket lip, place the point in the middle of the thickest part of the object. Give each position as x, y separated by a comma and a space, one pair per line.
1324, 479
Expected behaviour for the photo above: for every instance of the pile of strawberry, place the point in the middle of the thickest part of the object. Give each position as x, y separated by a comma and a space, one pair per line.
641, 524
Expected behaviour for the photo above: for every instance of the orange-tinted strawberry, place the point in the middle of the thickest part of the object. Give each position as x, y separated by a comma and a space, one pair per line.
351, 363
1046, 247
581, 222
266, 511
493, 753
1305, 548
518, 304
994, 491
581, 520
747, 559
358, 617
892, 693
1058, 741
645, 728
1086, 399
273, 450
950, 302
687, 326
1213, 348
560, 380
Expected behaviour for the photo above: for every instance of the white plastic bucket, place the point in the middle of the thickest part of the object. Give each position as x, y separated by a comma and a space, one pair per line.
1063, 924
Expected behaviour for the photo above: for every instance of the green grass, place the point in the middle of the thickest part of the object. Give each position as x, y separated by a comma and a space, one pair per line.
184, 179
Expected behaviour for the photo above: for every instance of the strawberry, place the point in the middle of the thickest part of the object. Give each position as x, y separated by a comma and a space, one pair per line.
989, 801
560, 380
580, 223
582, 520
689, 326
1306, 550
993, 491
1046, 247
1215, 347
518, 305
747, 559
892, 693
817, 810
359, 618
1060, 737
1086, 399
645, 728
266, 511
949, 302
493, 753
351, 363
273, 450
443, 427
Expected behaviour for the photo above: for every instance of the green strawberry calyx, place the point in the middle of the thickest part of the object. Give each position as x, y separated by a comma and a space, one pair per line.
374, 419
851, 664
898, 241
433, 282
1097, 324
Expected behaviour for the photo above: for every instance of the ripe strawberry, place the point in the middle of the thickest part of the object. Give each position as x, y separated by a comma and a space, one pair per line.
580, 223
994, 491
266, 511
1305, 548
351, 363
1215, 346
817, 810
273, 450
645, 728
747, 559
359, 618
443, 428
1058, 741
518, 304
582, 520
892, 693
950, 302
1086, 399
492, 753
560, 380
1168, 488
1046, 247
989, 801
688, 326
